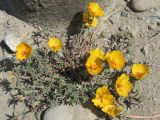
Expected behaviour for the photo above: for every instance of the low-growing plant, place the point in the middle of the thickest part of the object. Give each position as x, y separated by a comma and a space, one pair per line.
78, 73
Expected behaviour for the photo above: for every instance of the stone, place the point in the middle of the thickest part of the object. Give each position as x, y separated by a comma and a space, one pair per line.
115, 18
104, 34
127, 9
66, 112
122, 28
133, 29
152, 9
140, 17
142, 5
152, 26
11, 40
144, 50
14, 31
124, 14
155, 17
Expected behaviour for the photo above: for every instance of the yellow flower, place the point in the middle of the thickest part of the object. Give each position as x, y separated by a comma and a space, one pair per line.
103, 97
101, 101
23, 51
139, 71
95, 10
105, 100
103, 90
89, 21
94, 65
97, 53
115, 59
123, 85
55, 44
112, 110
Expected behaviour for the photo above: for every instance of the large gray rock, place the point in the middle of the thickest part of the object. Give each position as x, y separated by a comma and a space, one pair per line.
64, 112
142, 5
50, 13
14, 31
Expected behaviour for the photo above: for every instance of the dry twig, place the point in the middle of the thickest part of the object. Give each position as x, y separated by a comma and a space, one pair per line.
102, 22
143, 117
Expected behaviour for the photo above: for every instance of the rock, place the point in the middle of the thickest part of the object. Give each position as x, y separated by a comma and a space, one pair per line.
66, 112
152, 10
122, 28
155, 17
152, 26
144, 50
124, 14
104, 34
140, 17
133, 29
115, 18
50, 13
11, 40
127, 9
142, 5
14, 31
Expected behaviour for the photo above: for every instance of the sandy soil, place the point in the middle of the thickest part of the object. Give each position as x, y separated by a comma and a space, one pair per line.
145, 47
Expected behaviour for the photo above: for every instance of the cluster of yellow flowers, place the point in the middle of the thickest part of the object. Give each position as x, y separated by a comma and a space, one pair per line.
115, 60
93, 12
105, 100
96, 59
123, 86
24, 50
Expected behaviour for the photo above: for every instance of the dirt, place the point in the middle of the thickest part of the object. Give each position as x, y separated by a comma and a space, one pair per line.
144, 47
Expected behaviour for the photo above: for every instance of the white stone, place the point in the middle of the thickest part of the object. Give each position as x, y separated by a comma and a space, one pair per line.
12, 41
65, 112
13, 31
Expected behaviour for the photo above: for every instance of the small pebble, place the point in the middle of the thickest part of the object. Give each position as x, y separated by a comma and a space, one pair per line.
115, 19
139, 17
145, 50
103, 34
152, 10
124, 14
127, 9
154, 19
152, 26
122, 28
133, 29
155, 99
